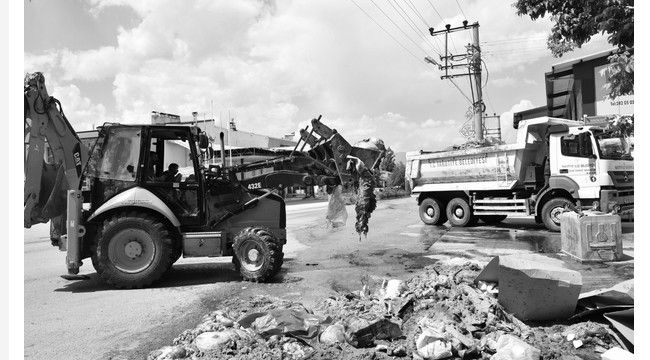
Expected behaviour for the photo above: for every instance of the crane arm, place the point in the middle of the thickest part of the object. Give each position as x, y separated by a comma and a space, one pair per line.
46, 127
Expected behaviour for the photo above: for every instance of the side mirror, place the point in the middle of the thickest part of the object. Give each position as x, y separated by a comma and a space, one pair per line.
203, 141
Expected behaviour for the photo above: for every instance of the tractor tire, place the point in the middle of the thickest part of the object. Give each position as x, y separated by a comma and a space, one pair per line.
492, 219
459, 213
257, 254
432, 212
132, 250
551, 210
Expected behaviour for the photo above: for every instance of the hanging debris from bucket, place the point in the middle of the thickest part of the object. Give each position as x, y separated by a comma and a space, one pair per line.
364, 186
366, 201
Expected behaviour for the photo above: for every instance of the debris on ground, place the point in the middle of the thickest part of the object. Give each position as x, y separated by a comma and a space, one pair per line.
440, 313
615, 304
617, 353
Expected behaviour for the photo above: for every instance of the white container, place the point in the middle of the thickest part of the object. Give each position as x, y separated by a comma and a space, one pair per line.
592, 237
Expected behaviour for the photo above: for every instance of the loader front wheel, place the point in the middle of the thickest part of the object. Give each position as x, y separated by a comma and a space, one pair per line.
133, 250
257, 254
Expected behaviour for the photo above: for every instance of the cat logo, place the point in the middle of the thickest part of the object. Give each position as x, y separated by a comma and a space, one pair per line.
76, 156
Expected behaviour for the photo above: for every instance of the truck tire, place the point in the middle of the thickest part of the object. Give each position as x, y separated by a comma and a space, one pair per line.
551, 210
432, 212
132, 250
492, 219
459, 213
257, 254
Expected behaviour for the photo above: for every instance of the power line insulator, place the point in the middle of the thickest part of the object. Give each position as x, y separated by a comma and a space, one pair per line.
431, 31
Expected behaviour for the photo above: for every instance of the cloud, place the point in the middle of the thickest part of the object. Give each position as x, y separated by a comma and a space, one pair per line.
509, 81
277, 65
508, 133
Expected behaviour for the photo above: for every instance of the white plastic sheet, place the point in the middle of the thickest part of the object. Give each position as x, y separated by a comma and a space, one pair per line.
337, 215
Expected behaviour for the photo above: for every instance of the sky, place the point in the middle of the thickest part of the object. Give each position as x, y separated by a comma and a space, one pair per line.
274, 65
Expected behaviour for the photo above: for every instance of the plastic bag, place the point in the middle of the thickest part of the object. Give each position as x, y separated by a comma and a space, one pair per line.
337, 215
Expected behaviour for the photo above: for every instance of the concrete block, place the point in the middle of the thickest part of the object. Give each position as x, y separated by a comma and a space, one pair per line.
594, 237
534, 287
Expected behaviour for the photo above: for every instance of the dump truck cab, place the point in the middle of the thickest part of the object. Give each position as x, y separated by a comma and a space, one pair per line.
594, 166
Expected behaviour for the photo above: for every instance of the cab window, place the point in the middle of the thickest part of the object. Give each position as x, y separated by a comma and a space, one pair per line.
121, 152
577, 145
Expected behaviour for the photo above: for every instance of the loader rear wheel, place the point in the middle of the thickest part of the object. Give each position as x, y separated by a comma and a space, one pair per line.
460, 213
493, 219
133, 250
432, 212
257, 254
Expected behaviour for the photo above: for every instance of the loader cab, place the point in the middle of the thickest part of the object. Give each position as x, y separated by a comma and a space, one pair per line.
171, 169
161, 159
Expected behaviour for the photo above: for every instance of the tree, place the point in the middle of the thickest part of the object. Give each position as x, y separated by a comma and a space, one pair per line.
397, 176
576, 21
388, 162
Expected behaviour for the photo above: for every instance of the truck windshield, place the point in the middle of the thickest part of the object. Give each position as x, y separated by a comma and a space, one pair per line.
613, 147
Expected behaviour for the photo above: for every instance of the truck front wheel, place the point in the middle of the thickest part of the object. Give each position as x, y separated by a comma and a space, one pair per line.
460, 213
132, 250
432, 212
551, 211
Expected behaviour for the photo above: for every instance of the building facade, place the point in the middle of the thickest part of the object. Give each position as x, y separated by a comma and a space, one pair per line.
576, 88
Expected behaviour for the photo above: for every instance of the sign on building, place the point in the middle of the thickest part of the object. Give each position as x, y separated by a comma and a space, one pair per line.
622, 105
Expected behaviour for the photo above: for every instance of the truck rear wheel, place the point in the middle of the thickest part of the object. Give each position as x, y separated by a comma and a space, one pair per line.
132, 250
551, 211
460, 213
492, 219
257, 254
432, 212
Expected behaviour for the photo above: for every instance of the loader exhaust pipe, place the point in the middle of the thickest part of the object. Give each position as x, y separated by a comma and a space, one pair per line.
223, 150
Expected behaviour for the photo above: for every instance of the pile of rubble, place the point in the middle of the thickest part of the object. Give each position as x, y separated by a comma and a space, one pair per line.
439, 313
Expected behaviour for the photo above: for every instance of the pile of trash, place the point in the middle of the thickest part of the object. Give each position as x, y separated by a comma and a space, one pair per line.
440, 313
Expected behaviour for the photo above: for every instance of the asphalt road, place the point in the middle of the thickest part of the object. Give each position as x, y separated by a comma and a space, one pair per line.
88, 320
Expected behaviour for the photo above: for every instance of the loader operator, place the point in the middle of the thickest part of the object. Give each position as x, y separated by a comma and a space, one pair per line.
171, 174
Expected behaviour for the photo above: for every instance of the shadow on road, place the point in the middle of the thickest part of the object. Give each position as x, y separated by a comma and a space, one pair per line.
179, 275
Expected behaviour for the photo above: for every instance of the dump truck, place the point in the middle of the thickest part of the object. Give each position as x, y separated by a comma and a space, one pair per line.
553, 165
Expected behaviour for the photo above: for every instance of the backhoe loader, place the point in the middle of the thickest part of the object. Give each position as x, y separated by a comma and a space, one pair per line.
112, 202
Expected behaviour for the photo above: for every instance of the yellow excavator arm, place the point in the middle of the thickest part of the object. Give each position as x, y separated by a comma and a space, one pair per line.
48, 136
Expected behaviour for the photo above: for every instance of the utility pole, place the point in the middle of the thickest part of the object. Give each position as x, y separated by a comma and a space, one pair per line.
475, 67
470, 63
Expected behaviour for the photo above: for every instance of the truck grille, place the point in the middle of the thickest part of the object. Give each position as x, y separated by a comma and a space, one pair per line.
622, 178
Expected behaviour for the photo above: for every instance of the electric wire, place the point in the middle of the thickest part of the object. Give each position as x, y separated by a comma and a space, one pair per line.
397, 26
442, 20
402, 45
461, 9
386, 31
426, 25
411, 23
